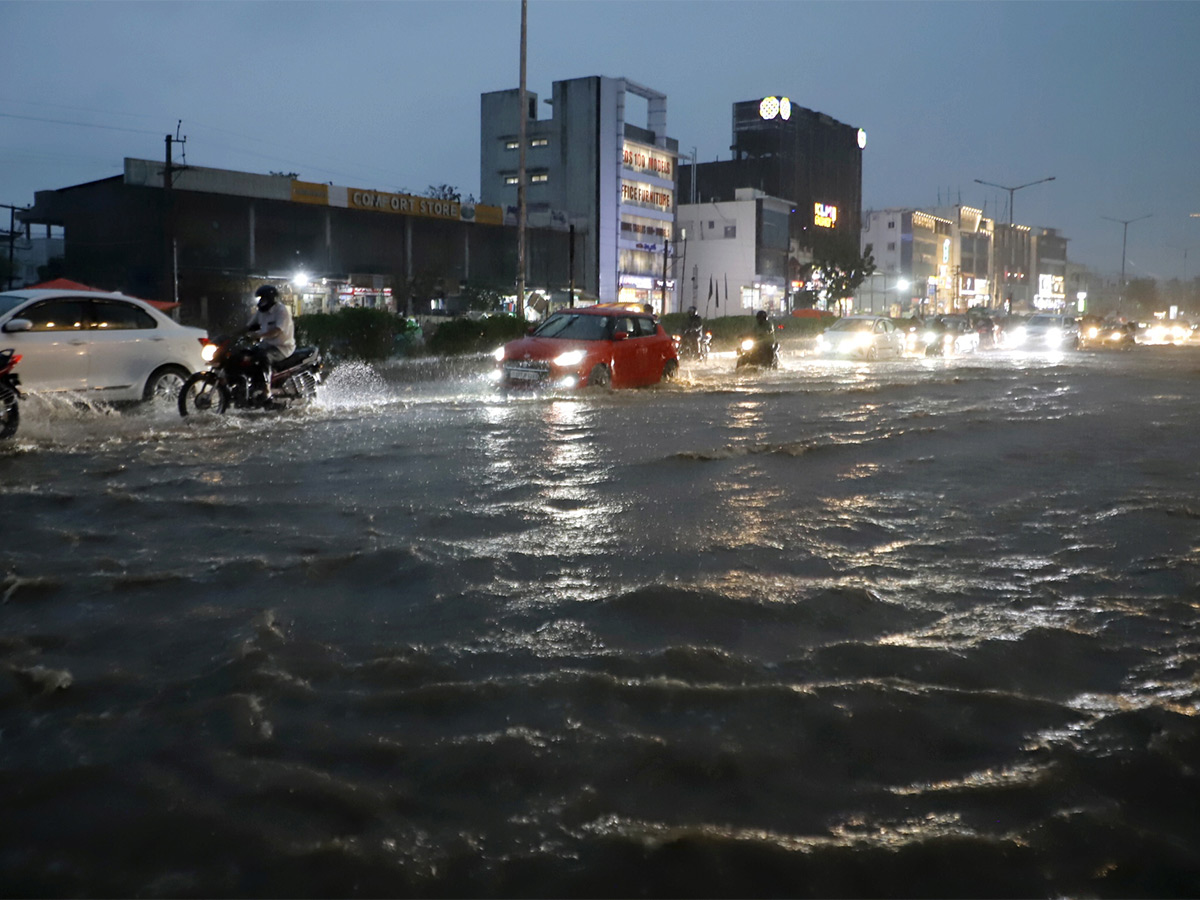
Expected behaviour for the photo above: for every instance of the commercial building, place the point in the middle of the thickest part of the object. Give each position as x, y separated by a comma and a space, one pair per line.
921, 253
734, 254
599, 167
1050, 271
798, 154
206, 237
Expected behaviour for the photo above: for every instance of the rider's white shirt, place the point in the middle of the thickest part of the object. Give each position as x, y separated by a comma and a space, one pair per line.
278, 316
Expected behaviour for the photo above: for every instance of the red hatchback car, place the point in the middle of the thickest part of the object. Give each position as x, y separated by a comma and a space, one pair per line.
597, 346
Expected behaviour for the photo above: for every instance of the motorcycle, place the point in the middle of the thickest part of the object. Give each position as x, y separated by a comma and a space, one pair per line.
758, 351
10, 393
229, 380
693, 344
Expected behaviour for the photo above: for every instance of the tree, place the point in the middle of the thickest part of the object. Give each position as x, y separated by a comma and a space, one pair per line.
447, 192
1143, 292
483, 297
841, 269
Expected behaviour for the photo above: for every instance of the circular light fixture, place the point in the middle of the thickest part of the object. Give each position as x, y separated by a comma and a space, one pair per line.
769, 107
862, 138
785, 108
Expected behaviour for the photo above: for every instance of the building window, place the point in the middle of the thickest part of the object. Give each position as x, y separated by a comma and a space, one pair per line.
891, 224
538, 178
511, 145
510, 179
539, 142
730, 231
891, 245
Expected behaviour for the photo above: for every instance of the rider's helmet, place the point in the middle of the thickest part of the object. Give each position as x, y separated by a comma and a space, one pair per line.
761, 315
692, 311
267, 295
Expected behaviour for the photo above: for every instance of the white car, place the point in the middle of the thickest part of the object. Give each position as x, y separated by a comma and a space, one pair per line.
1046, 332
868, 337
107, 346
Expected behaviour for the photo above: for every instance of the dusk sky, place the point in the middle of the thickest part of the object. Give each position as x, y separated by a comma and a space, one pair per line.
1105, 97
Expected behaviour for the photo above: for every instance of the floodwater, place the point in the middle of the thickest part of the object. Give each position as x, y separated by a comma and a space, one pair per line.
907, 628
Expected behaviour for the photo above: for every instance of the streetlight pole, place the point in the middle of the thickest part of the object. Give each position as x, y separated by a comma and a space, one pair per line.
1124, 235
1011, 191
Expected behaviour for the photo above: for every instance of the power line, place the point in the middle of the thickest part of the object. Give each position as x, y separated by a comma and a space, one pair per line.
83, 124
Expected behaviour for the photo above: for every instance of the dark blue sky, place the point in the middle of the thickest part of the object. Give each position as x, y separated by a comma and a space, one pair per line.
1105, 97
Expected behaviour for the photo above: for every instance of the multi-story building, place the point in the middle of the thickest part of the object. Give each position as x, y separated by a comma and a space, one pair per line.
592, 166
787, 151
921, 251
1050, 270
734, 254
207, 237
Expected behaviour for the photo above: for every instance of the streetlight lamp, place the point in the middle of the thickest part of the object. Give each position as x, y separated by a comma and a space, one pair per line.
1011, 191
1124, 235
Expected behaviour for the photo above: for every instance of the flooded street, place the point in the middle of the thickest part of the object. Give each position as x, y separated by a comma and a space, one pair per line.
910, 628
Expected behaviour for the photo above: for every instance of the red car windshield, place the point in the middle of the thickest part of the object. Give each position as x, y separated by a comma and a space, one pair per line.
574, 326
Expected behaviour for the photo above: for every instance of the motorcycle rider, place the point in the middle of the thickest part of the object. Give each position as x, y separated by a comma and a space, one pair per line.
763, 329
276, 337
694, 322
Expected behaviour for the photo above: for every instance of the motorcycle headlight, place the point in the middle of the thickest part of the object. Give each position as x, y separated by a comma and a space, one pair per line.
748, 344
208, 352
1115, 336
930, 337
1093, 332
570, 358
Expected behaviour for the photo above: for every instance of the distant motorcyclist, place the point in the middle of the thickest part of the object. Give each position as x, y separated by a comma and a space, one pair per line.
694, 321
763, 329
276, 337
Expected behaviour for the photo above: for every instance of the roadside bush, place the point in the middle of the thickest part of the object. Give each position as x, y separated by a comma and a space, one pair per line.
354, 332
464, 335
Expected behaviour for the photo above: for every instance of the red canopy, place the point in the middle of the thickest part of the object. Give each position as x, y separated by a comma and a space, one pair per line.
66, 284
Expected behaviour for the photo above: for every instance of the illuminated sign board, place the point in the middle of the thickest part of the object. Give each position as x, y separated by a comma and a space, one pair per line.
946, 250
824, 215
641, 194
648, 161
772, 107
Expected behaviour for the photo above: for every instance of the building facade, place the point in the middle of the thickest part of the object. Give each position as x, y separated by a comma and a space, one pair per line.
207, 237
787, 151
734, 254
602, 164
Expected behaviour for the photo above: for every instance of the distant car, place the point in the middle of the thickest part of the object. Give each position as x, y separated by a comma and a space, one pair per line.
591, 346
1046, 332
1176, 332
108, 346
866, 337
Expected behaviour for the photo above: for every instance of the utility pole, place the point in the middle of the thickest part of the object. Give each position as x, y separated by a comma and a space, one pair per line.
521, 113
666, 253
170, 268
12, 239
1011, 242
1124, 235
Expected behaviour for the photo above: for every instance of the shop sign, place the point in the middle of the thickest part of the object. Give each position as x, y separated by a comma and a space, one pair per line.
647, 195
309, 192
824, 215
647, 161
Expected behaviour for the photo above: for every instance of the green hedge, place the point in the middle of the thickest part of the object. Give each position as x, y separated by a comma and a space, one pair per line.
465, 335
356, 332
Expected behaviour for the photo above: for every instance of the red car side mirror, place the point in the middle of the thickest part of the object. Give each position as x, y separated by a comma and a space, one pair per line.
620, 335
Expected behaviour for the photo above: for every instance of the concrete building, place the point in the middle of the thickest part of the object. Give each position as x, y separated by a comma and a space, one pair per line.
1049, 252
29, 252
734, 254
785, 150
208, 237
602, 162
918, 255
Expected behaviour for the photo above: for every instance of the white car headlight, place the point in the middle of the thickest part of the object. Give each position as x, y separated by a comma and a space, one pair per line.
1054, 337
499, 354
1093, 332
570, 358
